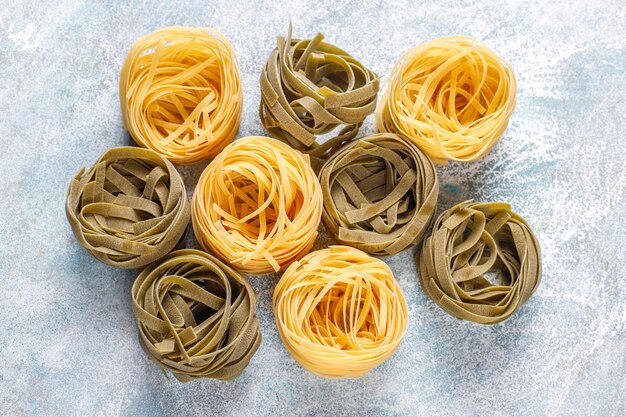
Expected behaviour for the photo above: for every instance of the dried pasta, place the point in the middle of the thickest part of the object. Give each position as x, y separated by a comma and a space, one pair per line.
469, 241
180, 93
258, 205
452, 97
129, 209
309, 88
380, 194
340, 312
196, 316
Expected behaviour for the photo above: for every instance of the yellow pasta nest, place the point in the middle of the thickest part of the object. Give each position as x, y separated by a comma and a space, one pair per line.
180, 93
257, 206
452, 96
340, 312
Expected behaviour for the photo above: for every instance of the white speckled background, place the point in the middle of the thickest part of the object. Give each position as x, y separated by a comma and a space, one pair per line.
67, 336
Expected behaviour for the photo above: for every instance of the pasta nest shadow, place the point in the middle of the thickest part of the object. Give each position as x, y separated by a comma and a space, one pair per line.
452, 97
129, 209
180, 93
340, 312
196, 316
309, 88
258, 205
481, 263
380, 194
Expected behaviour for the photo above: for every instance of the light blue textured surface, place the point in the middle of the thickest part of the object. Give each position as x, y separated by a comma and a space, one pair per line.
67, 335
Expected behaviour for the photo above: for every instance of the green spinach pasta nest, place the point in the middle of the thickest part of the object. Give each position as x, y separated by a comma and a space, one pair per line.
129, 209
380, 194
470, 242
309, 88
196, 316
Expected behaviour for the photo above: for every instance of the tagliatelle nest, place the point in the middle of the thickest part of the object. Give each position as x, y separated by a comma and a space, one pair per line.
180, 93
196, 316
129, 209
452, 97
310, 87
470, 241
380, 194
340, 312
257, 205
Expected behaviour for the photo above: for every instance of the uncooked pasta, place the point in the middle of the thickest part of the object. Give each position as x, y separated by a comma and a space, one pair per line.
380, 194
452, 97
180, 93
129, 209
481, 263
309, 88
196, 316
258, 205
340, 312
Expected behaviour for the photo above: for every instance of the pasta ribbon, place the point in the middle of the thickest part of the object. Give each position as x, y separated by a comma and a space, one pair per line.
180, 93
340, 312
196, 316
129, 209
309, 88
380, 194
258, 205
469, 242
452, 97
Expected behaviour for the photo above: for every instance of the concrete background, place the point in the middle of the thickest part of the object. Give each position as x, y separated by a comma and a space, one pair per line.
67, 335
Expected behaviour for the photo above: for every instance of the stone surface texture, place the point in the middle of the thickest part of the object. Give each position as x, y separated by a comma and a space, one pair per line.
67, 333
